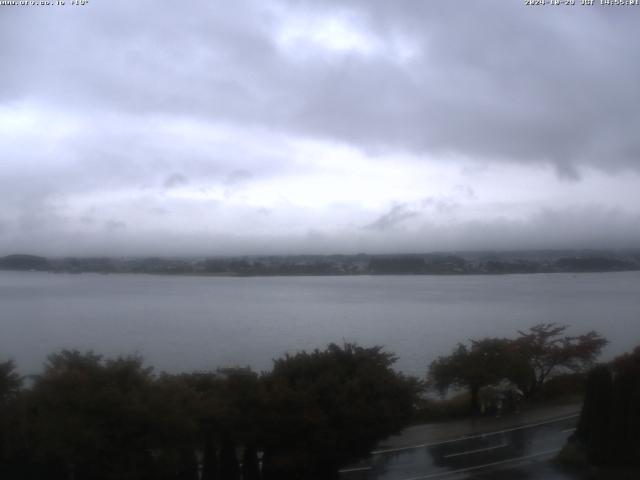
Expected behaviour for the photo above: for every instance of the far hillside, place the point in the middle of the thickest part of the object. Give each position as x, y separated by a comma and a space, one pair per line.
448, 263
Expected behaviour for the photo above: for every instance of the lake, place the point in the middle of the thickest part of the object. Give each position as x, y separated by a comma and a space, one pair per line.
181, 323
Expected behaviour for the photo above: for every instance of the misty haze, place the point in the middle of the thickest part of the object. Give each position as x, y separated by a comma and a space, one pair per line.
285, 239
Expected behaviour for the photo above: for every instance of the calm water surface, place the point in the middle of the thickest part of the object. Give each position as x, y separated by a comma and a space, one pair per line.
187, 323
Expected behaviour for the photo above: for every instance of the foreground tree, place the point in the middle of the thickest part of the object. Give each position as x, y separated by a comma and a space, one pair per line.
329, 407
90, 418
10, 416
484, 362
10, 381
526, 362
231, 405
609, 428
544, 351
625, 415
595, 418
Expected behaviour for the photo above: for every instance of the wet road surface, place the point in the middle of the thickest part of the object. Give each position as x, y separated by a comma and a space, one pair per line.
518, 452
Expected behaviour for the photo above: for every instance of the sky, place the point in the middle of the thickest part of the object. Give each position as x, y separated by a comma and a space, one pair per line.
341, 126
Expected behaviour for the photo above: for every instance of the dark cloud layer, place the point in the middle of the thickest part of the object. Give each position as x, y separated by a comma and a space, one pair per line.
498, 80
489, 80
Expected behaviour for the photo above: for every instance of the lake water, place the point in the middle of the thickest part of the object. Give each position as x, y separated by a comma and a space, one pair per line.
182, 323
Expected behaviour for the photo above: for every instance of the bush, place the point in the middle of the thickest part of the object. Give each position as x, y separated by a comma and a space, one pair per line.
563, 386
435, 410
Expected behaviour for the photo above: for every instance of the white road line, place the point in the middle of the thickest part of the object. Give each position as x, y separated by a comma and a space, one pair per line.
486, 465
355, 469
478, 450
568, 430
469, 437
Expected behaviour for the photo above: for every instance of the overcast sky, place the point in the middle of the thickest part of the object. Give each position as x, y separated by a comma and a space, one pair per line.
273, 126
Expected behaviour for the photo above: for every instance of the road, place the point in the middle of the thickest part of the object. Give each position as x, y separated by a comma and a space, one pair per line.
520, 451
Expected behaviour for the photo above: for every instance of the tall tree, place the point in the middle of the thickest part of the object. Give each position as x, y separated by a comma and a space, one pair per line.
595, 418
229, 467
210, 469
545, 350
327, 407
483, 363
609, 426
625, 415
10, 381
250, 464
92, 416
10, 416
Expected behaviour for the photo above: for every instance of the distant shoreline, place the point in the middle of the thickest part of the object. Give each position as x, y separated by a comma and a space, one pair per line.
469, 263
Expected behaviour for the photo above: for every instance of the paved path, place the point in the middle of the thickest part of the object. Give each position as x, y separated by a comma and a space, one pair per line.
474, 448
433, 432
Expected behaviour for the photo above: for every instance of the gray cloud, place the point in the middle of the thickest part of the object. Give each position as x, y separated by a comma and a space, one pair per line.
175, 180
464, 191
112, 225
441, 205
236, 177
490, 80
236, 181
396, 215
210, 98
576, 227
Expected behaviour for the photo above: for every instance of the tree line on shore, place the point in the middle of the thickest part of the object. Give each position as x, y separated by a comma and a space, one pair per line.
406, 264
89, 417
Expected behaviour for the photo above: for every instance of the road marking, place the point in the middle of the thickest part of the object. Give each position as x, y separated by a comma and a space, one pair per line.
486, 465
470, 437
355, 469
469, 452
568, 430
